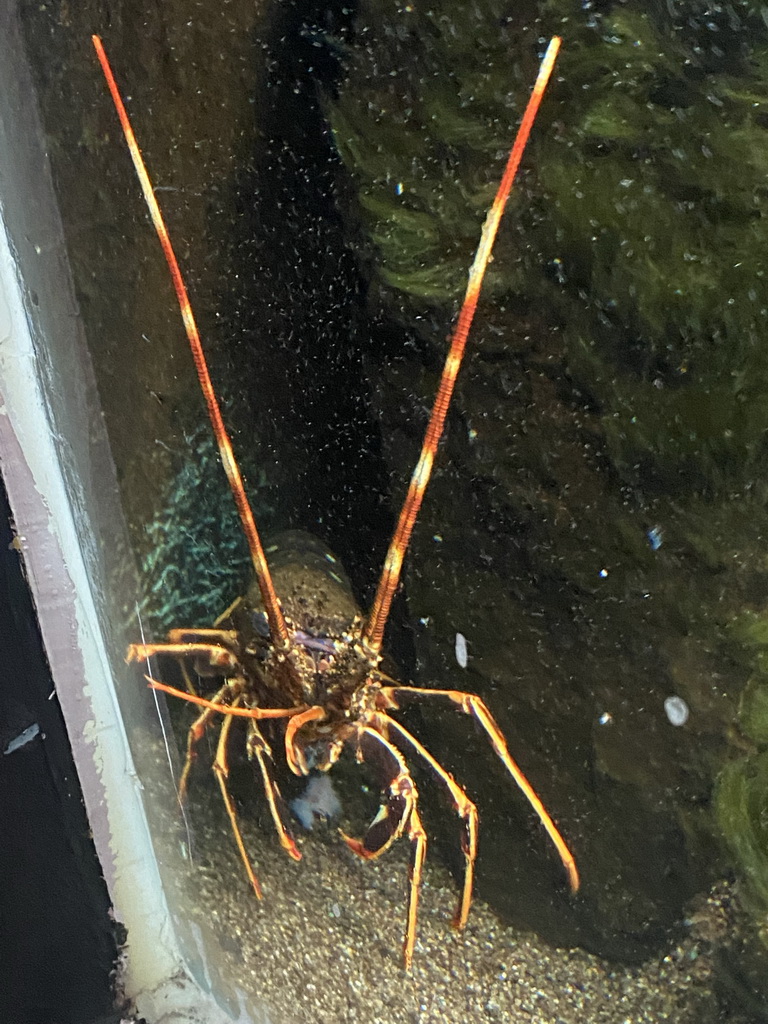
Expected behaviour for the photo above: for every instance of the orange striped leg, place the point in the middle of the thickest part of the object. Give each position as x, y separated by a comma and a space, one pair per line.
471, 704
227, 638
227, 693
259, 748
295, 755
228, 612
221, 768
466, 809
277, 626
373, 633
397, 810
397, 788
225, 709
222, 637
215, 656
418, 838
191, 688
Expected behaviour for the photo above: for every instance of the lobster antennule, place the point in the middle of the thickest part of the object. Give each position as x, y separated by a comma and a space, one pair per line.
373, 633
277, 625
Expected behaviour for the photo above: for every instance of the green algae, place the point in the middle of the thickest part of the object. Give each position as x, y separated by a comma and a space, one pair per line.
753, 709
197, 560
650, 161
742, 803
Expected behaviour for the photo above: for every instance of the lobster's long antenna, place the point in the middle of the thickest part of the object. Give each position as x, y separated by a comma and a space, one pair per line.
277, 625
373, 633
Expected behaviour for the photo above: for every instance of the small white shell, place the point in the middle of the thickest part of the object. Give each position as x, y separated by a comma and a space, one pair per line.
461, 649
676, 710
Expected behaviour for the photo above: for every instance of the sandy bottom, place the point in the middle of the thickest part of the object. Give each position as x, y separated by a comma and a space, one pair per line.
324, 945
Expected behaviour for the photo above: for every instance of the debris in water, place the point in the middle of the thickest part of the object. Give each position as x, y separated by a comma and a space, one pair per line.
22, 739
461, 649
677, 710
655, 537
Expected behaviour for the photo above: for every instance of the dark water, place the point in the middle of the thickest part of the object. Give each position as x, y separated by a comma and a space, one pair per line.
595, 528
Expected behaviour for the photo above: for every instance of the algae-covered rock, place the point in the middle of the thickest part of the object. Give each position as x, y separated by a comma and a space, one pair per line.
598, 521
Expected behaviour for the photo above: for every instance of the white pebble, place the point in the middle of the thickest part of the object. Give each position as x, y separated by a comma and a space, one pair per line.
461, 649
677, 711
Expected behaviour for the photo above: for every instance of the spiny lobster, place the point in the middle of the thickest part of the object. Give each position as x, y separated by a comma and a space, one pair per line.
282, 662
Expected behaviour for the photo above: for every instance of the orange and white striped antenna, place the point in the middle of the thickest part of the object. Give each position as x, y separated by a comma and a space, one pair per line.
373, 633
277, 626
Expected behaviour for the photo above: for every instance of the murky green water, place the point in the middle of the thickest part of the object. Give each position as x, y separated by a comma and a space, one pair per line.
596, 528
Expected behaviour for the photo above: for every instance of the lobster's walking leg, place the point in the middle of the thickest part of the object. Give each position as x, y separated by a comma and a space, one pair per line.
224, 709
397, 810
227, 614
219, 637
226, 638
217, 657
295, 755
191, 688
259, 748
226, 702
227, 694
471, 704
398, 791
221, 768
466, 809
418, 838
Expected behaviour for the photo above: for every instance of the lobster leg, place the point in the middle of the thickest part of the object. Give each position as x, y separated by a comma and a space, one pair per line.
398, 790
228, 692
295, 755
259, 748
224, 709
221, 768
218, 637
217, 657
225, 701
418, 838
466, 809
397, 810
227, 614
471, 704
191, 688
217, 645
226, 638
